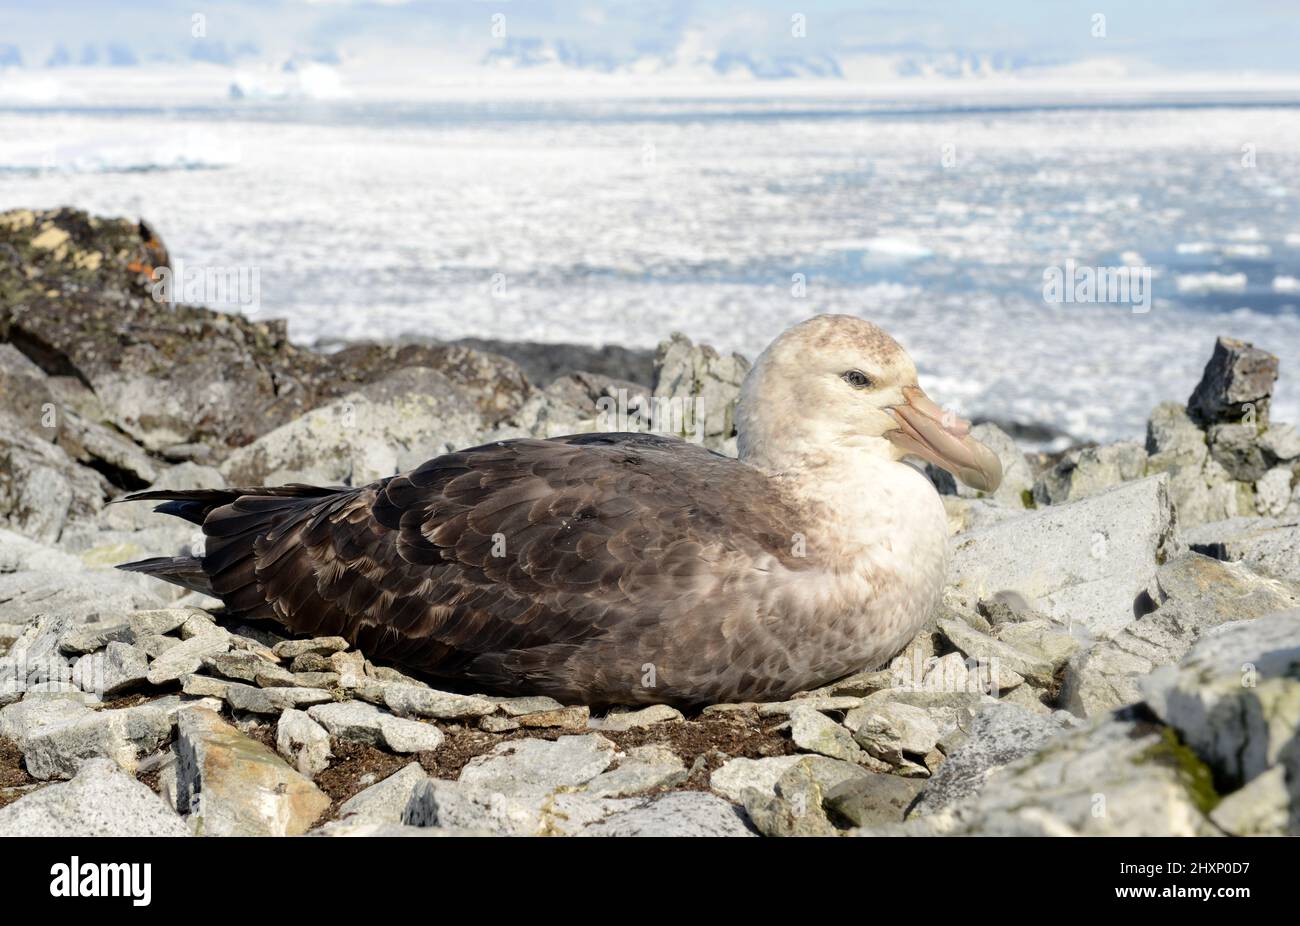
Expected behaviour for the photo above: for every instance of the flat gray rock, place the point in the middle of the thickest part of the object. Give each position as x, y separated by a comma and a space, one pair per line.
535, 764
386, 801
681, 813
1084, 563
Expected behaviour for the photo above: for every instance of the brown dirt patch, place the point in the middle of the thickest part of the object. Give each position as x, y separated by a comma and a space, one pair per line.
703, 743
12, 774
355, 767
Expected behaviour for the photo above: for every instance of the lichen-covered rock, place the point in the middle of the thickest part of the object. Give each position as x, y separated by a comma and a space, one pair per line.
1116, 778
1235, 700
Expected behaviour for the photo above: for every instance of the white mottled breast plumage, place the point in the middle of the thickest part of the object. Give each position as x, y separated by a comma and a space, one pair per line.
880, 539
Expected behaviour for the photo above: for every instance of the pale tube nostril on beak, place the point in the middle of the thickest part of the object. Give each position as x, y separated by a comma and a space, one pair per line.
926, 430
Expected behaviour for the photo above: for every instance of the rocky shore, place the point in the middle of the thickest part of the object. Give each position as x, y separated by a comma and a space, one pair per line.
1118, 651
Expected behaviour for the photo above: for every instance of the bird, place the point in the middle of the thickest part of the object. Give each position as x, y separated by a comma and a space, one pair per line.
625, 568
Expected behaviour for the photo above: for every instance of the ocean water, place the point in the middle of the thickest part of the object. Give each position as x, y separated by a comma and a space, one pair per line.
621, 221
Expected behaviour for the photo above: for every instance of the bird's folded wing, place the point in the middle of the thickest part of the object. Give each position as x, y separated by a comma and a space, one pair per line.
519, 547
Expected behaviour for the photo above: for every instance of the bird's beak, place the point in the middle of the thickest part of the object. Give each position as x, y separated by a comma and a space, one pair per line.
940, 437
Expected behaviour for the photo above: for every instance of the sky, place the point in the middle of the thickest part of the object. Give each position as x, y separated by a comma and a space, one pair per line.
762, 39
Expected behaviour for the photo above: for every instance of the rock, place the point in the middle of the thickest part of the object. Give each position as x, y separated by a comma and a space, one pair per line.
872, 800
120, 667
995, 653
1194, 594
531, 704
457, 805
1235, 698
1268, 547
101, 800
705, 386
129, 628
823, 703
187, 657
250, 667
358, 722
1041, 640
1090, 470
382, 429
1115, 778
1235, 447
95, 635
951, 709
108, 450
41, 488
26, 394
303, 743
567, 718
1273, 491
681, 813
235, 786
1280, 443
627, 720
418, 701
318, 646
971, 514
184, 381
644, 768
386, 801
1261, 808
1239, 376
1017, 477
1085, 562
1173, 439
1199, 487
794, 809
57, 736
737, 776
813, 731
999, 735
533, 764
268, 700
36, 580
890, 730
498, 385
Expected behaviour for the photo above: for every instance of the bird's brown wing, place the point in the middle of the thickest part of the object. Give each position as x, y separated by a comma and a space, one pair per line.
501, 563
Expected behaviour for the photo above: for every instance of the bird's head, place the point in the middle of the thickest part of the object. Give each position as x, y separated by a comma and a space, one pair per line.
837, 382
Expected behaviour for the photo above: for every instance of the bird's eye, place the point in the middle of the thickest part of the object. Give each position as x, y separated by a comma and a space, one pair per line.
857, 379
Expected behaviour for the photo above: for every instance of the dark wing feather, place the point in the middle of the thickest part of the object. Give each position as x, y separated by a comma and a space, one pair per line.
526, 565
